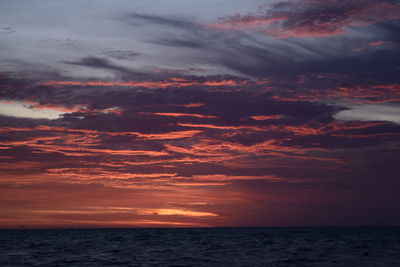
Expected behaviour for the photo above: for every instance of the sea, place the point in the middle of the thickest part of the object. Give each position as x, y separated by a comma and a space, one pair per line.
311, 246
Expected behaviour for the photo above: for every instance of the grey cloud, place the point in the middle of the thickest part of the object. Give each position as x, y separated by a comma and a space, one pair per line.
184, 43
102, 63
121, 54
7, 30
96, 62
172, 22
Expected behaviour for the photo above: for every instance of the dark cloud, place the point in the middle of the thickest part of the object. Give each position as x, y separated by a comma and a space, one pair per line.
165, 21
313, 18
387, 31
378, 65
291, 57
381, 65
184, 43
95, 62
7, 30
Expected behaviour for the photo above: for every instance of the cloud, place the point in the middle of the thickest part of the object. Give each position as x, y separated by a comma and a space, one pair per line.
22, 110
165, 21
121, 54
171, 82
176, 212
7, 30
218, 139
95, 62
353, 94
181, 115
371, 112
313, 18
156, 111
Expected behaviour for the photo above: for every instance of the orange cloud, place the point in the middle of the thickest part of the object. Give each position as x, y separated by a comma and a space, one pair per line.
211, 126
99, 173
377, 43
223, 177
172, 82
84, 134
179, 115
169, 136
92, 205
176, 212
71, 146
266, 117
193, 105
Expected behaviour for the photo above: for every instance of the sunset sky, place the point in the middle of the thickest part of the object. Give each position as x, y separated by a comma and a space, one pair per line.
183, 113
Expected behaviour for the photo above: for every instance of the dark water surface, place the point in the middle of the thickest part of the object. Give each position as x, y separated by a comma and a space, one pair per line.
202, 247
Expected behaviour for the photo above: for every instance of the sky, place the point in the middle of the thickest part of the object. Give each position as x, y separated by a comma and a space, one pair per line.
212, 113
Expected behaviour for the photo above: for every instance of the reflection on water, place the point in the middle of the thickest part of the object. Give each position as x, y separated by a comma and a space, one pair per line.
202, 247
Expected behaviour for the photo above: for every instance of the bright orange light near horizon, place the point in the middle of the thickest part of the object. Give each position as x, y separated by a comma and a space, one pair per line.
176, 212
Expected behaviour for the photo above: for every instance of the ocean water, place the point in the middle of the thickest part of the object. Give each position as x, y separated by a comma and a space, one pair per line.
202, 247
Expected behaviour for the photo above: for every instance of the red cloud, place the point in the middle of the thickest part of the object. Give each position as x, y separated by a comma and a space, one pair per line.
364, 93
312, 18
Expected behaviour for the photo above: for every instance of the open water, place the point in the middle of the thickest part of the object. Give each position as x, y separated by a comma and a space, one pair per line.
202, 247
